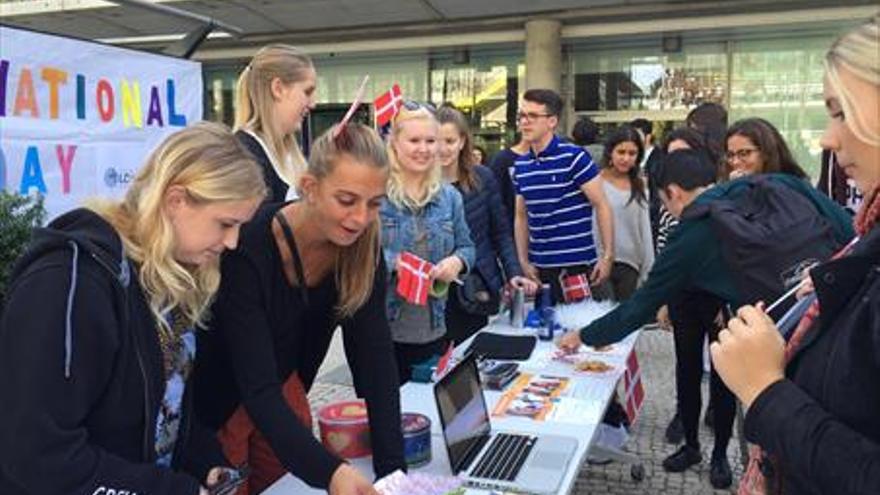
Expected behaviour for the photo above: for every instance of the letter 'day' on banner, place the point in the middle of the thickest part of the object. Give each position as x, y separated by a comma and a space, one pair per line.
77, 119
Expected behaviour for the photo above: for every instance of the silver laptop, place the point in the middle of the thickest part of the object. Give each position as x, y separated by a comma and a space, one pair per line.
495, 460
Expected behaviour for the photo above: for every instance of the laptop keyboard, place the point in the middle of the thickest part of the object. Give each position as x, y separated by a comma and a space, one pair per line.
504, 457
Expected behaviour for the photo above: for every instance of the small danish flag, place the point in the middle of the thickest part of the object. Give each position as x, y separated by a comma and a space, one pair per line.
413, 280
387, 105
635, 392
575, 287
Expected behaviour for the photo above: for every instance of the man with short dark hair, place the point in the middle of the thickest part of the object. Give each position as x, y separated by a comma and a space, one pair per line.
501, 165
692, 264
556, 193
585, 134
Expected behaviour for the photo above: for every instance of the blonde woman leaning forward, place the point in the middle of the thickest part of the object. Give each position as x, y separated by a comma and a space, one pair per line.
276, 91
303, 269
97, 338
425, 216
813, 402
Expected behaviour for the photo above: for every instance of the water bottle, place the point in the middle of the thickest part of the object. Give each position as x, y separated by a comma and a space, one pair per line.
518, 308
545, 332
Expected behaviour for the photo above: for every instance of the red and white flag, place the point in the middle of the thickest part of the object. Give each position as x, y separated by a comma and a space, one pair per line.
413, 280
387, 105
635, 391
575, 287
443, 362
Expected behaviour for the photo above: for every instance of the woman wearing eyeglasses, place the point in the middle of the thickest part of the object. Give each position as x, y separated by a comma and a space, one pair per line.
469, 306
754, 146
424, 216
813, 402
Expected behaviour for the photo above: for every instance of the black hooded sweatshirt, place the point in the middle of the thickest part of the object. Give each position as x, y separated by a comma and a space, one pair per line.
82, 374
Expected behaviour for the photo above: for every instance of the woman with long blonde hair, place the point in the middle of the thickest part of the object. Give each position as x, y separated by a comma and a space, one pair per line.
424, 216
303, 269
98, 337
813, 402
276, 91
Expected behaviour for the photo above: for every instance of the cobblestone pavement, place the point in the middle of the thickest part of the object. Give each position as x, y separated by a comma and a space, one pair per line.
646, 439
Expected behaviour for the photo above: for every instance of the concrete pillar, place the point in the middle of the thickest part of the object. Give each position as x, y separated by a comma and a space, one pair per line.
543, 54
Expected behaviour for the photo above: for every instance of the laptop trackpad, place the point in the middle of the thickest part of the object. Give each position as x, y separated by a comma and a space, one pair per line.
547, 463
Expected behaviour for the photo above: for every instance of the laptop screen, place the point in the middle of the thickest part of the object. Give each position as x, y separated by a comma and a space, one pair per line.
463, 412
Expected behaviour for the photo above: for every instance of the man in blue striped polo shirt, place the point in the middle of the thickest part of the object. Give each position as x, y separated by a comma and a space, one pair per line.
555, 196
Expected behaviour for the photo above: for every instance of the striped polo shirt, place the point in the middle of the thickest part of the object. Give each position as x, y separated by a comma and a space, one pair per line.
559, 214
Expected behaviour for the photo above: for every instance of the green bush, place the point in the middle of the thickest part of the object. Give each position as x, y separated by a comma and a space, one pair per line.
18, 216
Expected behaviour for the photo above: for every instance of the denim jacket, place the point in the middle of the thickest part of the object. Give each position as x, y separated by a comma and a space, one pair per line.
448, 234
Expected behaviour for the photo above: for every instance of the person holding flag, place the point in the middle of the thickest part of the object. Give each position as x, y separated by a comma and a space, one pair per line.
422, 218
302, 269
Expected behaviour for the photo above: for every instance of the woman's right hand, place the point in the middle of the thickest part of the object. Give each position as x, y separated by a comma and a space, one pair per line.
346, 480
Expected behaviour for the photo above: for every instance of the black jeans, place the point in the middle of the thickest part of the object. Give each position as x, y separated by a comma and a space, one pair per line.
623, 281
692, 315
460, 324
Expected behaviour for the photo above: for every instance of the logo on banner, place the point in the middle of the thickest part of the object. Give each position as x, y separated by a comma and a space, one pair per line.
114, 178
635, 391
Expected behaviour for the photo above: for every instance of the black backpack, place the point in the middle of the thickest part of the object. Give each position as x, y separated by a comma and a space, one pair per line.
770, 234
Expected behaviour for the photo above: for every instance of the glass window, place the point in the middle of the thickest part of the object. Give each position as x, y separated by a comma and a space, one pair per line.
645, 78
220, 92
340, 76
781, 81
486, 86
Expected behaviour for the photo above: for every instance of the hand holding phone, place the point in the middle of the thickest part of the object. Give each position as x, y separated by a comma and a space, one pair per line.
228, 480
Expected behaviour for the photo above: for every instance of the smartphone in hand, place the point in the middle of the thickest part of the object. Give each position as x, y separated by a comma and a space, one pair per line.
229, 481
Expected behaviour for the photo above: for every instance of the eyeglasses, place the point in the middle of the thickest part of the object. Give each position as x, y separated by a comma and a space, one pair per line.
531, 116
740, 154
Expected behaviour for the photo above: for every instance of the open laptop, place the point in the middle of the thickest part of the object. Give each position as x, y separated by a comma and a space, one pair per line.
495, 460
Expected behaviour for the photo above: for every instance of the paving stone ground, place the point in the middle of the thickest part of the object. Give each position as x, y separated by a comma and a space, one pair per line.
646, 437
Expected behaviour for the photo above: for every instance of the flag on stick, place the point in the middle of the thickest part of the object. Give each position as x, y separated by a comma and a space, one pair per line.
387, 105
413, 280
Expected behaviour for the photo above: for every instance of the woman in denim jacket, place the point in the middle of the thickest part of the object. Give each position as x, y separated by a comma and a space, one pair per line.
424, 216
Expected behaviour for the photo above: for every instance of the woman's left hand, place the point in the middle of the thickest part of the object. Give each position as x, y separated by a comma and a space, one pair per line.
526, 284
447, 269
749, 354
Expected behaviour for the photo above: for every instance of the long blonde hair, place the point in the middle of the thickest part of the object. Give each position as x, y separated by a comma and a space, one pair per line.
396, 190
209, 162
355, 264
859, 52
256, 106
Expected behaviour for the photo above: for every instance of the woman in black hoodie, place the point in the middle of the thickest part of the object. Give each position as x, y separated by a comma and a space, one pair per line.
97, 338
813, 402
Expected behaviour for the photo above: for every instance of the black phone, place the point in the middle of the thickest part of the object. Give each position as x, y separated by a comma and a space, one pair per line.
230, 480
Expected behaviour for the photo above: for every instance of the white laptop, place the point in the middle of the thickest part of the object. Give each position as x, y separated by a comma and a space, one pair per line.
495, 460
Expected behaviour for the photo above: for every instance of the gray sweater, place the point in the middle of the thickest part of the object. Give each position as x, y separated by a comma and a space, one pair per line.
632, 230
